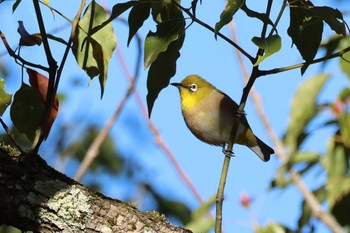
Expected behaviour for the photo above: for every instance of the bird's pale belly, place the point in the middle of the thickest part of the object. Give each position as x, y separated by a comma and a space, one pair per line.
211, 129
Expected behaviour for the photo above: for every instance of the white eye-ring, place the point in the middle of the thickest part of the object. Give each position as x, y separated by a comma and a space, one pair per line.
193, 87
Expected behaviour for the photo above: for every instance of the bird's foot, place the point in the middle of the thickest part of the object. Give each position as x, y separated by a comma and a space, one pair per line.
227, 152
240, 113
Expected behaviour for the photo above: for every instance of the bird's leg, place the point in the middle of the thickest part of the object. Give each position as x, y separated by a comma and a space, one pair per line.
240, 113
227, 152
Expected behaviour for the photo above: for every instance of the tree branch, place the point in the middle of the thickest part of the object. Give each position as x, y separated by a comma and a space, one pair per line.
292, 67
35, 197
19, 58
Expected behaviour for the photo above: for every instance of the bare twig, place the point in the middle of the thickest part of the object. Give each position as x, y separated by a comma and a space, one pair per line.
94, 148
247, 89
54, 73
310, 198
299, 65
12, 137
17, 57
158, 138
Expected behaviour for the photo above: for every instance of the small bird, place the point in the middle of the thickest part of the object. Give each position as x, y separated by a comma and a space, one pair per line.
210, 114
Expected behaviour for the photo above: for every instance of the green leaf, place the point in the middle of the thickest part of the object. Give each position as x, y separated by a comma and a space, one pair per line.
344, 124
15, 5
336, 158
341, 209
194, 6
253, 14
303, 110
345, 61
281, 178
117, 10
304, 157
305, 30
333, 17
272, 228
337, 187
138, 14
5, 98
159, 41
162, 50
200, 221
344, 94
232, 6
26, 111
164, 10
331, 44
93, 52
170, 207
161, 71
270, 45
204, 208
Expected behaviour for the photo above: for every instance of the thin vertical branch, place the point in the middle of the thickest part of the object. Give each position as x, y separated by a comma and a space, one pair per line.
54, 74
237, 120
220, 194
50, 95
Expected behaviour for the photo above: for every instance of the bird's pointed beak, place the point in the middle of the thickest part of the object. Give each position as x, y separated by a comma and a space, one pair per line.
178, 85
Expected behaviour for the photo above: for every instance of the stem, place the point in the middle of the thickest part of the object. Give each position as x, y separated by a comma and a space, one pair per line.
12, 137
50, 95
280, 13
220, 194
19, 58
75, 23
54, 74
237, 120
292, 67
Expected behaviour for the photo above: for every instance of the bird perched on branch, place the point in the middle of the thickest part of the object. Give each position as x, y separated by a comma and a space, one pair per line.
210, 114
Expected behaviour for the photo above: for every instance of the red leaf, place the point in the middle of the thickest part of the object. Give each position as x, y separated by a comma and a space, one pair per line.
40, 83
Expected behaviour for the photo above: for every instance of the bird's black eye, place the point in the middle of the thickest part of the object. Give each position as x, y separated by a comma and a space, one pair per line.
193, 87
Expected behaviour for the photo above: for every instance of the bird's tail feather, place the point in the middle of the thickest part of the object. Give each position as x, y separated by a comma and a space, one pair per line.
262, 150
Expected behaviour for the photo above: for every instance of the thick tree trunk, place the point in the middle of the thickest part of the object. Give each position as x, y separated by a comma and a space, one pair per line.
34, 196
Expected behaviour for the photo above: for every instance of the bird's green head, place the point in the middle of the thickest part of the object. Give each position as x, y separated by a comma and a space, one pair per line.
193, 89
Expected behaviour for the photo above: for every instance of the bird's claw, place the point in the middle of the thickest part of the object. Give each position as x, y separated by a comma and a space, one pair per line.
228, 153
240, 113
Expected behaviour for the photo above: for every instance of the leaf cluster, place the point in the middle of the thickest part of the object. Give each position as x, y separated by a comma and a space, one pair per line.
332, 164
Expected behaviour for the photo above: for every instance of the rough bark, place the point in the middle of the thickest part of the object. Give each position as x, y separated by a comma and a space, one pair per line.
35, 197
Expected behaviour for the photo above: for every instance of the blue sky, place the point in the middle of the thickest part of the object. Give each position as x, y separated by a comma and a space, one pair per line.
215, 61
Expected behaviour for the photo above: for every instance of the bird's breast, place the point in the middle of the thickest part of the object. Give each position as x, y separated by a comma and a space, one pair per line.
211, 121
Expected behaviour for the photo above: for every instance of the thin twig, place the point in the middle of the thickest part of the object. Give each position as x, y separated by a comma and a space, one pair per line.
299, 65
94, 148
237, 120
50, 95
19, 58
220, 193
309, 197
11, 136
157, 136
